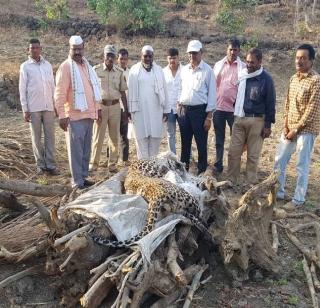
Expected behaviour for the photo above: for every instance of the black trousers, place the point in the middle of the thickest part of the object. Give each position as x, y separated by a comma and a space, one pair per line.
220, 118
191, 120
124, 143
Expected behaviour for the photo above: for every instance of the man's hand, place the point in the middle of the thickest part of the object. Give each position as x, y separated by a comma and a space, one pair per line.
266, 132
292, 134
64, 123
27, 116
99, 120
165, 117
207, 124
286, 131
125, 117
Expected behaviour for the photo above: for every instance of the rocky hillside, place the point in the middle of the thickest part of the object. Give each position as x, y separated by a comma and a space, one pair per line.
269, 25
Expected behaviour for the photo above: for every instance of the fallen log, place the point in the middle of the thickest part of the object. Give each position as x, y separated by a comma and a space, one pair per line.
24, 254
30, 271
33, 189
97, 293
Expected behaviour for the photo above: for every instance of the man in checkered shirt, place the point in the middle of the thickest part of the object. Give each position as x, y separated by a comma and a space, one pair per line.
301, 125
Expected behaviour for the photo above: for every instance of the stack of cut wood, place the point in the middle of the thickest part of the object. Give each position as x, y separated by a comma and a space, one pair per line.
90, 273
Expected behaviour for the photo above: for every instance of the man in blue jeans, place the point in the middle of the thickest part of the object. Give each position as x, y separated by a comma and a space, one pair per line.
173, 80
196, 105
301, 125
226, 72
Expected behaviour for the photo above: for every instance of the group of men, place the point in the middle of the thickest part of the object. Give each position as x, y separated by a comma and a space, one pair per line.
89, 100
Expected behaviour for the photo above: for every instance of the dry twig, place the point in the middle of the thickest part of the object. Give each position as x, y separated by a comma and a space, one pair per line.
310, 283
194, 287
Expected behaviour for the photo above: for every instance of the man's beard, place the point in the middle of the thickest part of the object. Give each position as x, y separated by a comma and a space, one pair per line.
147, 65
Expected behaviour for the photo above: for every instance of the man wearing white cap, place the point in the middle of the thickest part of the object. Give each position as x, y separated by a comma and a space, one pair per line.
113, 87
148, 103
196, 105
77, 101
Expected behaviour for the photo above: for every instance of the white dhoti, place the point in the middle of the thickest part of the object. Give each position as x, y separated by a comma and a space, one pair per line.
147, 123
147, 147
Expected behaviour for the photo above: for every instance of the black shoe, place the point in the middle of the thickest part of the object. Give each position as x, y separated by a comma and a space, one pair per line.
87, 183
53, 172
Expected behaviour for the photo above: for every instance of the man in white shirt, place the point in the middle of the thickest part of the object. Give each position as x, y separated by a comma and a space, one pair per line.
148, 103
196, 105
36, 86
172, 74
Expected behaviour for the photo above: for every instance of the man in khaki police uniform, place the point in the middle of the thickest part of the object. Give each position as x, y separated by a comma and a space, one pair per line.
113, 87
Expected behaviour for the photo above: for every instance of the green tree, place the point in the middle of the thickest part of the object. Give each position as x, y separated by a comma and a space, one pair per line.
53, 9
233, 14
130, 15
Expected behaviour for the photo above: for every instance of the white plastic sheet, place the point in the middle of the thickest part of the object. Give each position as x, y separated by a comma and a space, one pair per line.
126, 215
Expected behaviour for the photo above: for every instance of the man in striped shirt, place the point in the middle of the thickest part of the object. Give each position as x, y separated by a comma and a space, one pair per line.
301, 124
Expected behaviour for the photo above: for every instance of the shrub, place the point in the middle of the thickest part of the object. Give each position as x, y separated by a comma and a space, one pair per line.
53, 9
181, 3
239, 4
233, 14
251, 42
92, 4
230, 21
130, 15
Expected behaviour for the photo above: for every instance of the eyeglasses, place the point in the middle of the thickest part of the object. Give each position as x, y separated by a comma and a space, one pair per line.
193, 52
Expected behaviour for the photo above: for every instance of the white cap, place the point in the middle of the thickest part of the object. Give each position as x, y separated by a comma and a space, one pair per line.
147, 48
75, 40
194, 46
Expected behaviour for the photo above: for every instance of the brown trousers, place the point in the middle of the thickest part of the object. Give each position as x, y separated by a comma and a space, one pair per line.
111, 117
248, 131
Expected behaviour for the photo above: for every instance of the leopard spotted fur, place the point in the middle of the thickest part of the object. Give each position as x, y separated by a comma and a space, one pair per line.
161, 195
157, 167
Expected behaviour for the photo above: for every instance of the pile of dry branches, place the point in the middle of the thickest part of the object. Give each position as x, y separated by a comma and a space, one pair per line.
89, 272
16, 154
310, 252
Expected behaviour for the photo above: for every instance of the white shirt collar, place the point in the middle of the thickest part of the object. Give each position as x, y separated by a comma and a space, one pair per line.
31, 60
200, 66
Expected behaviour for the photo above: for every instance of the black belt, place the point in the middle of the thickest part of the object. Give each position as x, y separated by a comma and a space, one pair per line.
107, 102
193, 107
254, 115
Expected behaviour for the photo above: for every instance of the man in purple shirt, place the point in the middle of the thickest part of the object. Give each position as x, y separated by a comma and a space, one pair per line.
226, 72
